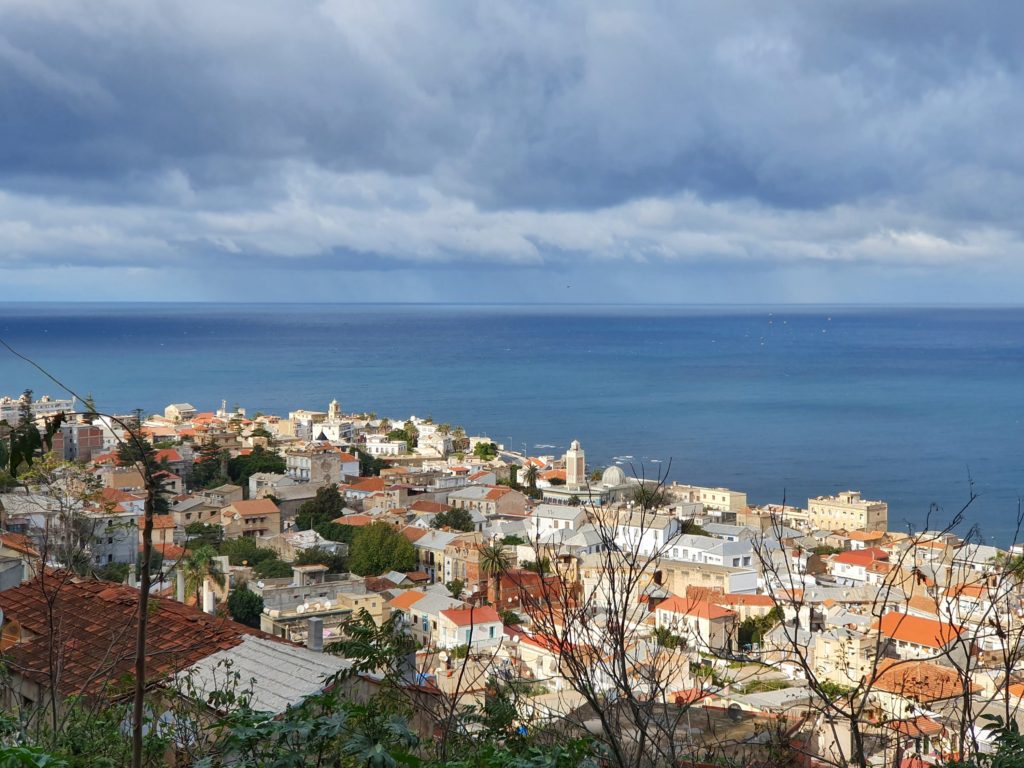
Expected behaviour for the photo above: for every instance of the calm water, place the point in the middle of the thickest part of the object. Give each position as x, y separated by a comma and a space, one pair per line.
783, 403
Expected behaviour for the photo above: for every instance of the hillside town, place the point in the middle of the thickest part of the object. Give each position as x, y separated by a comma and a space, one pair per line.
718, 627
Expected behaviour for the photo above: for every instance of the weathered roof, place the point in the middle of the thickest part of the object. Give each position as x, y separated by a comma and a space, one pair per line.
96, 635
280, 675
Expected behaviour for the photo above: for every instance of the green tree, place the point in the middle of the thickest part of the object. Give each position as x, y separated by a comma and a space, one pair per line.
531, 476
210, 468
648, 497
245, 606
455, 587
323, 508
456, 519
210, 534
485, 451
494, 561
241, 468
377, 548
370, 466
335, 561
198, 566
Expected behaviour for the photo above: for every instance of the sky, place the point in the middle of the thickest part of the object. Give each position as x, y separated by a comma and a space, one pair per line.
664, 152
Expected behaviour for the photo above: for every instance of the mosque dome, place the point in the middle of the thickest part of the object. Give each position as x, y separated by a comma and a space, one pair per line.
613, 476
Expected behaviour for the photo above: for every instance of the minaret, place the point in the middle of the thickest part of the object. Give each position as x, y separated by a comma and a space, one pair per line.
575, 466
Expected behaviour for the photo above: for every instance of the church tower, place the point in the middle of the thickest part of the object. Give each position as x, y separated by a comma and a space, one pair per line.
575, 466
334, 411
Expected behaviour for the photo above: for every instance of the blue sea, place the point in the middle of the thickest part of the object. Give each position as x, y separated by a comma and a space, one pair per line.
908, 405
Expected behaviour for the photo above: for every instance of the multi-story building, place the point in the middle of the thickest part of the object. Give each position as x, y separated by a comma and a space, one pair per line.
320, 466
720, 499
256, 517
44, 407
847, 510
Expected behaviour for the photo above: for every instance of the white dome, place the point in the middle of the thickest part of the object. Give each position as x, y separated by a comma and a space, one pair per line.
613, 476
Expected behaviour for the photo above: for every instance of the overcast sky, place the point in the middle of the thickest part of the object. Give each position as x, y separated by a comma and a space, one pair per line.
551, 151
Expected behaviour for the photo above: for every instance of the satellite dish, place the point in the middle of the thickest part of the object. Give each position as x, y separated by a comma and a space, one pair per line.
327, 604
259, 584
305, 606
300, 609
443, 656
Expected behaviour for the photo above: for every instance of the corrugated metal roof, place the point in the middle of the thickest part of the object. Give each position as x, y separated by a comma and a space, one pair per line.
280, 675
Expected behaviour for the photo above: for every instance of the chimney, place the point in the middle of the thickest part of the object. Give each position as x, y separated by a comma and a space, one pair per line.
209, 604
180, 589
315, 638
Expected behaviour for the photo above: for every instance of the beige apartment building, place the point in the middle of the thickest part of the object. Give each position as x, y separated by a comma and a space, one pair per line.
719, 499
847, 510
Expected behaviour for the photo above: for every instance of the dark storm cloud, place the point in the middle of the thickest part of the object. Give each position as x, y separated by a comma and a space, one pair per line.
153, 133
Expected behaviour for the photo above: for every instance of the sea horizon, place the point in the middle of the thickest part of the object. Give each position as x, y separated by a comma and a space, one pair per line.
781, 401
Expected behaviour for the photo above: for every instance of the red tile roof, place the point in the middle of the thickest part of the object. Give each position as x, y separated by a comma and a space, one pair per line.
428, 506
690, 607
413, 534
96, 633
467, 617
405, 600
861, 557
356, 520
255, 507
162, 522
169, 455
19, 543
369, 485
921, 681
919, 631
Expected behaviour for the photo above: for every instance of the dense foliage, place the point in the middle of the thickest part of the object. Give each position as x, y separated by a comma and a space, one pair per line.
378, 548
456, 519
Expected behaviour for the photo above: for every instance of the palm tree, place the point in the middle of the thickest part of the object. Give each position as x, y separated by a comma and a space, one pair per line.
385, 426
531, 476
444, 429
494, 561
198, 566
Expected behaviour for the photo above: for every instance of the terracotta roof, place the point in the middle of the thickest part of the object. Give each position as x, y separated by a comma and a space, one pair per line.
429, 506
417, 576
168, 551
406, 600
920, 631
162, 522
479, 475
169, 455
861, 557
553, 474
921, 681
96, 620
865, 535
497, 492
115, 496
19, 543
1016, 690
254, 507
355, 520
923, 604
691, 607
414, 534
467, 617
369, 485
974, 591
918, 727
